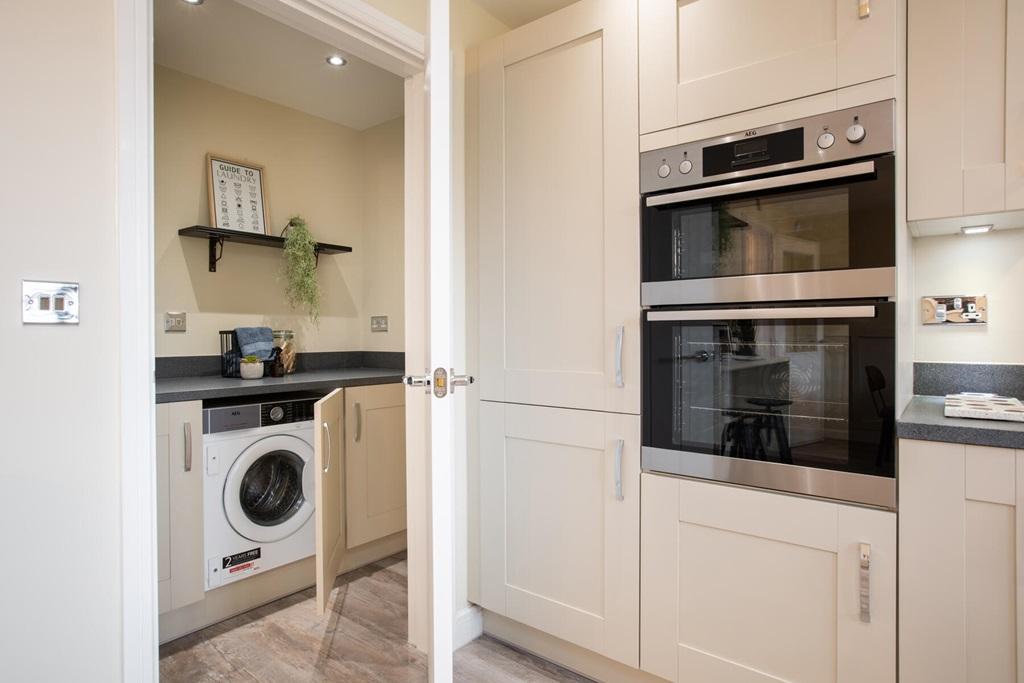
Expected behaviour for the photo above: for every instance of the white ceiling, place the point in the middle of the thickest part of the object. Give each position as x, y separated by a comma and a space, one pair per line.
515, 13
236, 47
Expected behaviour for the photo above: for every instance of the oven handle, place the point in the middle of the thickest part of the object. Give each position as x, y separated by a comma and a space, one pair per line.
791, 179
763, 313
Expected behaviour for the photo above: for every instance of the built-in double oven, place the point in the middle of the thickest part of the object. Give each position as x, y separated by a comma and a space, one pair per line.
769, 315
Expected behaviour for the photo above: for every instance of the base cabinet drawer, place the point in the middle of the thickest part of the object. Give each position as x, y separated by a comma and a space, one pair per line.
744, 586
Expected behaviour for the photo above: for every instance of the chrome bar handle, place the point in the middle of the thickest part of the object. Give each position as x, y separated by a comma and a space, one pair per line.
620, 333
865, 582
359, 421
459, 380
619, 445
188, 446
423, 380
801, 313
327, 428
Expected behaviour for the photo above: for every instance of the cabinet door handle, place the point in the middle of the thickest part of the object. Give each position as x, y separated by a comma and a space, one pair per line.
865, 583
359, 422
620, 333
188, 446
863, 9
327, 429
619, 445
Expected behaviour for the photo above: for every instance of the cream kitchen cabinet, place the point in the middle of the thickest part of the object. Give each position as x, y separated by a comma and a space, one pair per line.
701, 59
965, 108
961, 563
559, 211
747, 586
179, 482
560, 522
374, 462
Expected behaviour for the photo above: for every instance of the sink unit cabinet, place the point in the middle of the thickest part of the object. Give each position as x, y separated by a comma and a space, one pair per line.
703, 59
961, 563
747, 586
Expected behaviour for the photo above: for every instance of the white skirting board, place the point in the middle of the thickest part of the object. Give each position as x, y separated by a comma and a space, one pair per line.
469, 625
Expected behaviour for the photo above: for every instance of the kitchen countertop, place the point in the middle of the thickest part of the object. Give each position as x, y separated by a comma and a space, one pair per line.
172, 389
924, 420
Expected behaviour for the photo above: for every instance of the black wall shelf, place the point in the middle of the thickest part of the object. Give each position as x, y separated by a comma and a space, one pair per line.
217, 237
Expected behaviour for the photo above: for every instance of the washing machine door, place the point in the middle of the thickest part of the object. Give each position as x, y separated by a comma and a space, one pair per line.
269, 490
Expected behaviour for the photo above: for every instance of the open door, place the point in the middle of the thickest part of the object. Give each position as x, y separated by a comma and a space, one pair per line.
329, 414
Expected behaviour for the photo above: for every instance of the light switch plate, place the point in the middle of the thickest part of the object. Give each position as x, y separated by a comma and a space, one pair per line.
175, 321
378, 323
49, 303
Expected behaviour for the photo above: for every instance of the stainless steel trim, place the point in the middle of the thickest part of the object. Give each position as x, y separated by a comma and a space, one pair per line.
788, 180
188, 446
817, 285
326, 427
849, 487
619, 445
865, 583
359, 421
620, 333
764, 313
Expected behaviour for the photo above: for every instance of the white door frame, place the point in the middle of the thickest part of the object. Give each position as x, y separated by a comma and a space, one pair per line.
351, 25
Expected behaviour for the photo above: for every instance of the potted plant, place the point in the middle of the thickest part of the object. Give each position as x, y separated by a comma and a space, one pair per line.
302, 288
251, 367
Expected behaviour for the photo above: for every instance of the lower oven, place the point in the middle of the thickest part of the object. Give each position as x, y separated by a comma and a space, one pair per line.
795, 398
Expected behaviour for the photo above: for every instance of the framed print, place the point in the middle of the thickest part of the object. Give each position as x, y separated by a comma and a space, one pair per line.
237, 201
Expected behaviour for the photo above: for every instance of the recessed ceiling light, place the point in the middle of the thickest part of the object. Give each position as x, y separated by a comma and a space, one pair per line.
975, 229
193, 2
337, 60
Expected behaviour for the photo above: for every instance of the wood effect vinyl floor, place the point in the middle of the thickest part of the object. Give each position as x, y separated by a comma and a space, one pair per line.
361, 638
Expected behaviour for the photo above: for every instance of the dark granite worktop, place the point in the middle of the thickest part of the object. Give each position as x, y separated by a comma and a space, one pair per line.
924, 420
172, 389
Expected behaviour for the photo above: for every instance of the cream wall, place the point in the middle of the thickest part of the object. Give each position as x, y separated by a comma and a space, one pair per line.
991, 264
321, 170
60, 578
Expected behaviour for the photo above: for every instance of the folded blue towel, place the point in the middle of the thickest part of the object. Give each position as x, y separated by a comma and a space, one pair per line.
255, 341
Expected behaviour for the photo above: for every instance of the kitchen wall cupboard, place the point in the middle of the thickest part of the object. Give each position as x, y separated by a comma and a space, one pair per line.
559, 523
747, 586
559, 211
965, 107
701, 59
374, 462
179, 483
961, 563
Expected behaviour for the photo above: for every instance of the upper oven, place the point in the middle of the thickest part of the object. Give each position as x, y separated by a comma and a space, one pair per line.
795, 211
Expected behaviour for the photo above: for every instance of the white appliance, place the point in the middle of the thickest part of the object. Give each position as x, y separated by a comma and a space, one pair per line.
258, 489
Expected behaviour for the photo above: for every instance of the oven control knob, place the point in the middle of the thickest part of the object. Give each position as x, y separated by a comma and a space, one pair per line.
855, 133
276, 413
685, 166
664, 170
826, 140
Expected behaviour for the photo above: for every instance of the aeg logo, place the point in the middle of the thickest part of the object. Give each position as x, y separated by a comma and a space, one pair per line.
750, 133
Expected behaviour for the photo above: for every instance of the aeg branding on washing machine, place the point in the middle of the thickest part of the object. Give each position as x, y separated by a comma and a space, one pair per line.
258, 490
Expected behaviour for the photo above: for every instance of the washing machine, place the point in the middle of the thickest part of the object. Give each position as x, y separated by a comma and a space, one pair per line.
258, 490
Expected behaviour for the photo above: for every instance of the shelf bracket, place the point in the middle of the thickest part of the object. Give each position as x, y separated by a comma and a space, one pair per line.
214, 254
316, 255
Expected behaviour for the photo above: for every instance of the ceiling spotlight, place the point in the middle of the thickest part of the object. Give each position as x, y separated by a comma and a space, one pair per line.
193, 2
975, 229
337, 60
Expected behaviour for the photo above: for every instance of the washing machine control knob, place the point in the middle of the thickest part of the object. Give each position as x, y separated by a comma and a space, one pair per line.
276, 414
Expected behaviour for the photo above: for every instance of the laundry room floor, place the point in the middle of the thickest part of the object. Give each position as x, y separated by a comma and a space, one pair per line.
361, 638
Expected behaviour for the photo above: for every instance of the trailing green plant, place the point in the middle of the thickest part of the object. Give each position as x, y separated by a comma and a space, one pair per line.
302, 288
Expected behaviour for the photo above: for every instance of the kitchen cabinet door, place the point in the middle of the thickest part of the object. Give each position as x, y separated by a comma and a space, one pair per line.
701, 59
179, 481
329, 455
559, 523
961, 563
374, 462
744, 585
559, 211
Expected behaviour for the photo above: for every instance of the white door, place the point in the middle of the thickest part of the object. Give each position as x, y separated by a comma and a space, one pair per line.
559, 211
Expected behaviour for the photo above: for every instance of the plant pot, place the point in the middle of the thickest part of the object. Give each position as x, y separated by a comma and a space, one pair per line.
251, 370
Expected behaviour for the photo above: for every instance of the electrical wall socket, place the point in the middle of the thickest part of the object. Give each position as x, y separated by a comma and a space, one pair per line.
175, 322
378, 323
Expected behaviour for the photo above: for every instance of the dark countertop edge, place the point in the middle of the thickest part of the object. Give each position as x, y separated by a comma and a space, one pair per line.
176, 396
923, 420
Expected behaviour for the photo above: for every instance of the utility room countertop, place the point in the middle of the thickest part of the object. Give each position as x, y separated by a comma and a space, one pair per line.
173, 389
924, 420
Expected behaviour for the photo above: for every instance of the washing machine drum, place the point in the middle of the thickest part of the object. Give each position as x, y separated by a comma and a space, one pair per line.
269, 490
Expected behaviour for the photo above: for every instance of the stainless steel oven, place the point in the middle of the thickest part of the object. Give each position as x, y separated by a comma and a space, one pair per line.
795, 398
794, 211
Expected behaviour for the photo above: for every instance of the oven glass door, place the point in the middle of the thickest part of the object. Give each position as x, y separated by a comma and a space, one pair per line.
757, 228
808, 386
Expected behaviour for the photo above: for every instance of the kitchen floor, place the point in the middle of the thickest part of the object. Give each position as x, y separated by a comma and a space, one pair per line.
361, 638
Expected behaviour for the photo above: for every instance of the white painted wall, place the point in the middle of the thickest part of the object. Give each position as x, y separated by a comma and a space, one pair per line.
60, 510
991, 264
